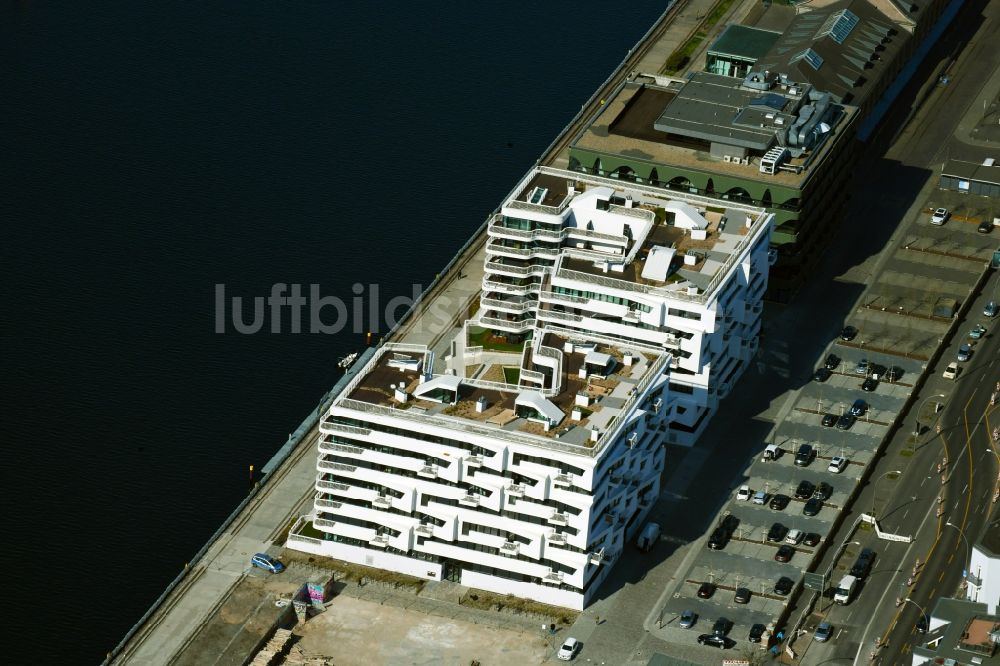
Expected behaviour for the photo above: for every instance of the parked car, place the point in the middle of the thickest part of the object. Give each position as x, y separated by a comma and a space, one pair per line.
688, 618
729, 524
794, 537
823, 490
923, 623
823, 632
811, 539
804, 455
721, 626
829, 420
832, 362
743, 493
784, 586
742, 595
990, 309
706, 590
837, 464
784, 553
964, 353
862, 366
846, 421
756, 632
267, 563
870, 383
939, 216
951, 371
718, 539
859, 407
821, 375
977, 332
776, 533
569, 649
712, 640
779, 502
863, 564
812, 507
804, 490
848, 333
985, 227
760, 497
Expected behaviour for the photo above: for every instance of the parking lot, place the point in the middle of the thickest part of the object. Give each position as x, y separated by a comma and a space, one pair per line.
898, 322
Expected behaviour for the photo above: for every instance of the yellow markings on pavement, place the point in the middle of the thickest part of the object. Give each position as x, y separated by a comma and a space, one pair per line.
951, 557
942, 574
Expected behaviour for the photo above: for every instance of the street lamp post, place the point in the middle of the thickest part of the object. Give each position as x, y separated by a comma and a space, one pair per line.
920, 412
875, 487
968, 550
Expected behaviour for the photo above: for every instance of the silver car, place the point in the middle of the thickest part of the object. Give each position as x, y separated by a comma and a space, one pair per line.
688, 618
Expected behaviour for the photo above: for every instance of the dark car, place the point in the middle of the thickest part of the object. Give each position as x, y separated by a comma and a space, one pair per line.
832, 362
804, 490
821, 375
848, 333
893, 373
784, 553
718, 539
829, 420
846, 421
923, 623
756, 632
804, 455
784, 586
706, 590
779, 502
729, 524
777, 533
742, 595
721, 626
811, 539
812, 507
863, 564
823, 491
869, 384
712, 640
985, 226
859, 407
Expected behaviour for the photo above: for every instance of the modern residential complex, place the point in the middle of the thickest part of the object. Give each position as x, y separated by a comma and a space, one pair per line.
613, 318
960, 633
984, 569
772, 120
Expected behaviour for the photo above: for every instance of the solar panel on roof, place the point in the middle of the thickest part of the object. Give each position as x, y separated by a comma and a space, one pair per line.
811, 57
838, 26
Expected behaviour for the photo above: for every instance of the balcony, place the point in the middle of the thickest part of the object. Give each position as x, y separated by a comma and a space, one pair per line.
336, 467
331, 485
382, 502
506, 325
559, 518
510, 548
469, 499
380, 541
553, 577
327, 504
515, 490
562, 480
631, 317
425, 530
428, 472
596, 558
554, 315
324, 522
557, 538
474, 461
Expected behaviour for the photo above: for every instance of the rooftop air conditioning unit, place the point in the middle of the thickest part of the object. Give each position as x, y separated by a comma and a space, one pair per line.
727, 158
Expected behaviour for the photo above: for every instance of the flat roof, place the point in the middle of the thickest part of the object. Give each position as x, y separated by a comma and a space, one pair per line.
960, 631
615, 132
990, 540
743, 41
972, 171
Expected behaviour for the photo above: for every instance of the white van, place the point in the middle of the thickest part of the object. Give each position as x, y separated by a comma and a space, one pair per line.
845, 590
772, 452
648, 537
951, 371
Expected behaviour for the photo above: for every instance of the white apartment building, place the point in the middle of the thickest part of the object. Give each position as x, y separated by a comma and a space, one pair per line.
613, 318
493, 485
633, 262
984, 570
